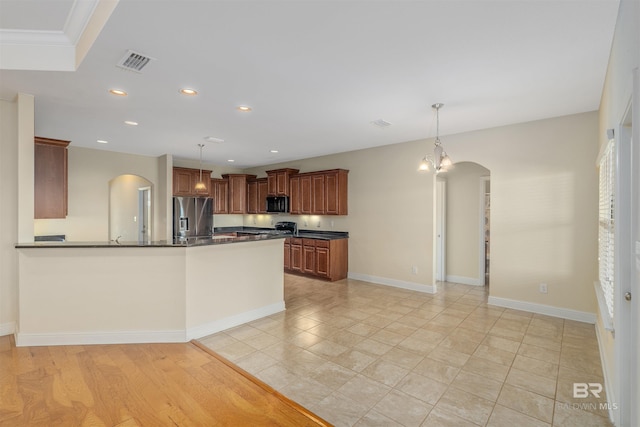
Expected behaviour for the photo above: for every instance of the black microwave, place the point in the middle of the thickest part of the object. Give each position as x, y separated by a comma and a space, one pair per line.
278, 204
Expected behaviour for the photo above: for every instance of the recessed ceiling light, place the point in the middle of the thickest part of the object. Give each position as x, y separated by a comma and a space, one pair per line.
273, 151
188, 92
117, 92
130, 123
213, 139
230, 160
102, 141
244, 108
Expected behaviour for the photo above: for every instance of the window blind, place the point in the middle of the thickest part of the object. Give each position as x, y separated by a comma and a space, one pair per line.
606, 233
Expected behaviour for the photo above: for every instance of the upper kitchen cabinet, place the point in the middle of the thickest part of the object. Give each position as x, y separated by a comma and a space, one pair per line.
279, 181
238, 192
320, 193
257, 196
50, 178
220, 194
185, 180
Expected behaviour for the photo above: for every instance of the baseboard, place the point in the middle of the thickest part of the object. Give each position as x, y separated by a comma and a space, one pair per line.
548, 310
229, 322
143, 337
473, 281
412, 286
608, 386
86, 338
7, 328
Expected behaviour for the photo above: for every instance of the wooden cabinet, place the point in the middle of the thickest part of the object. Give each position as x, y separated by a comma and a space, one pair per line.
296, 255
185, 180
50, 178
278, 181
287, 254
220, 194
319, 193
294, 198
257, 196
238, 192
327, 259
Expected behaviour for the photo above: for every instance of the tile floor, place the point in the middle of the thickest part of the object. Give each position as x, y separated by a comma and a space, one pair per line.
361, 354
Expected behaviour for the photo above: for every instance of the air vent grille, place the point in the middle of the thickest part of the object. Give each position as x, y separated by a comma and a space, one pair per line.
134, 61
381, 123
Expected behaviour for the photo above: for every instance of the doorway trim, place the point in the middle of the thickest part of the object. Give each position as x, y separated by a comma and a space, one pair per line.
481, 249
441, 230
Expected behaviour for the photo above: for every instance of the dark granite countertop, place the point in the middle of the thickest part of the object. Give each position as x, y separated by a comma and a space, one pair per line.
190, 242
305, 234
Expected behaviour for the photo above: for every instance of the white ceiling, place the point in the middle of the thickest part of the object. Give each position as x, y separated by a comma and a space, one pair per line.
316, 73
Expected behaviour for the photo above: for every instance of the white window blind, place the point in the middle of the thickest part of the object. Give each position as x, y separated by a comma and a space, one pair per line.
606, 227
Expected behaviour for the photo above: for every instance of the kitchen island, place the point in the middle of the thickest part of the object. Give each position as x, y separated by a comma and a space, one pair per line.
130, 292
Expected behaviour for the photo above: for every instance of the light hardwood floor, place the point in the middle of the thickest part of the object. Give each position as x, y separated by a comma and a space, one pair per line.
135, 385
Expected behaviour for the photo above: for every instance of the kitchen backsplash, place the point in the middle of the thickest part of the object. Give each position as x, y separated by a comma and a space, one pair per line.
305, 222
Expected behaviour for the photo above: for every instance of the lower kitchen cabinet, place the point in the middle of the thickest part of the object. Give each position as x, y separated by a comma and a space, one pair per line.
326, 259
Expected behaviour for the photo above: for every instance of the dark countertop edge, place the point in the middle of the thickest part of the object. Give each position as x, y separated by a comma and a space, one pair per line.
303, 234
156, 244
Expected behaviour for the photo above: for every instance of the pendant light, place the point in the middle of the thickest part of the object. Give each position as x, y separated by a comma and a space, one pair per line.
439, 160
200, 185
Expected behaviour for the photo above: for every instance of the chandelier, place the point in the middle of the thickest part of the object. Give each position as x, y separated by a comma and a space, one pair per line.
200, 185
439, 160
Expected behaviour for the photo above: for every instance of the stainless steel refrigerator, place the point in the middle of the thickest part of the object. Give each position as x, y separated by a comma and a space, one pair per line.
192, 217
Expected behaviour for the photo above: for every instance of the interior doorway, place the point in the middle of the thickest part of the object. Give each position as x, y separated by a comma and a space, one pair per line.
485, 227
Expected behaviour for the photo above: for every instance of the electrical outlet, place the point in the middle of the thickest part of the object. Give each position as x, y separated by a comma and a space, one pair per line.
543, 288
318, 224
332, 223
414, 269
305, 224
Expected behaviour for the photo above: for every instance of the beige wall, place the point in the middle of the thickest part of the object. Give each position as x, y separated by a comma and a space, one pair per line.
90, 171
390, 219
8, 214
463, 222
543, 225
617, 93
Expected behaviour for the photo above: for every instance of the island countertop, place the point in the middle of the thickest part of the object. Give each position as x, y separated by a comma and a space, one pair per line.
189, 242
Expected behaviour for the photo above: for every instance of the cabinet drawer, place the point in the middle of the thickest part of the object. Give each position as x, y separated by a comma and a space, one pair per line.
296, 241
308, 242
322, 243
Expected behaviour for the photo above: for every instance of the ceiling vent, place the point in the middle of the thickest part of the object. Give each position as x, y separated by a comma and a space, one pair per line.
381, 123
134, 61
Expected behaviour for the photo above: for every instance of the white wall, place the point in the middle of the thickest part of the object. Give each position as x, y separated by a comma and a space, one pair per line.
463, 211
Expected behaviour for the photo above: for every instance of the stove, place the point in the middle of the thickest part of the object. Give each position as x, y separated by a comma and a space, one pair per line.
285, 227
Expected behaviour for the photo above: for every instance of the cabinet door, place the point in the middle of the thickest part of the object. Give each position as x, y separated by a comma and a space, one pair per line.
282, 183
262, 195
206, 179
252, 197
183, 182
308, 259
220, 196
50, 178
318, 191
322, 262
332, 194
272, 184
294, 198
296, 256
306, 202
237, 195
